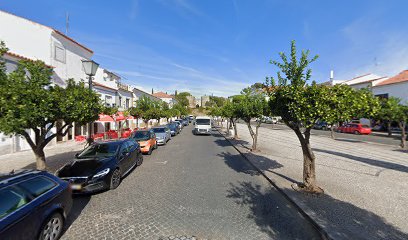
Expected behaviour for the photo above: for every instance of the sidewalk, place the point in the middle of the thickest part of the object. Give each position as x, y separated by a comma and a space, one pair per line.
55, 155
366, 187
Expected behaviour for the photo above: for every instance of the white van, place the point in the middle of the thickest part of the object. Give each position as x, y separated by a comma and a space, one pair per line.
202, 125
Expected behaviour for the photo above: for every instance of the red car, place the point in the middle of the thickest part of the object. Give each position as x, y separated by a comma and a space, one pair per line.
356, 128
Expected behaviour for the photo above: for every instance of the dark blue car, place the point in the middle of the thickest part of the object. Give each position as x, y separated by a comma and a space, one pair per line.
33, 205
102, 165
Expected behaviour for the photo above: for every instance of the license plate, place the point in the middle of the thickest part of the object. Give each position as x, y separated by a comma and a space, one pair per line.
76, 187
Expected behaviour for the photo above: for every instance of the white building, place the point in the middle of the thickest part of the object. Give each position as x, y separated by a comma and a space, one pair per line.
396, 86
39, 42
26, 39
170, 100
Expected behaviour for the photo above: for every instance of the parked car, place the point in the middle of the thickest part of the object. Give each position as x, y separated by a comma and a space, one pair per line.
181, 122
179, 125
202, 125
101, 165
146, 139
163, 134
185, 121
191, 118
322, 126
33, 205
356, 128
174, 128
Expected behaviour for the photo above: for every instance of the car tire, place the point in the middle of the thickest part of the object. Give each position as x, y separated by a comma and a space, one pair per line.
115, 179
150, 151
140, 160
52, 226
357, 132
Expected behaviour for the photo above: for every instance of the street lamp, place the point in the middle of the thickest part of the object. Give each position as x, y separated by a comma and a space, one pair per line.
90, 68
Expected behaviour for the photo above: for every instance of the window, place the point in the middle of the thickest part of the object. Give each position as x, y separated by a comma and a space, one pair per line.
11, 200
59, 53
108, 100
120, 102
127, 103
37, 186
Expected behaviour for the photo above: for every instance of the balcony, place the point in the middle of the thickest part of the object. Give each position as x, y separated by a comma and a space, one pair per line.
124, 86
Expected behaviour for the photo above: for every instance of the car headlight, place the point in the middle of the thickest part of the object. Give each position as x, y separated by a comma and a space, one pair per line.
102, 173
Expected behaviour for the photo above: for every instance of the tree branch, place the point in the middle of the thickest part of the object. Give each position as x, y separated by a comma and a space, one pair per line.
29, 140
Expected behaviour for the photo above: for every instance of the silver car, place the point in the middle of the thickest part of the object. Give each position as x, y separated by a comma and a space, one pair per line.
163, 134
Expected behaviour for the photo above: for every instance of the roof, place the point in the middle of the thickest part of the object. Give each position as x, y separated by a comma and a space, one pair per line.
401, 77
162, 95
362, 79
15, 55
53, 29
101, 85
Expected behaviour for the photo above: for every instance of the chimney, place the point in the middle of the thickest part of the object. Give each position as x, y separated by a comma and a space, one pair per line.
331, 75
152, 90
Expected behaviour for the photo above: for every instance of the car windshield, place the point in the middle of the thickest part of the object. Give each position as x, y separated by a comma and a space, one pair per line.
365, 126
203, 121
159, 130
141, 135
172, 126
100, 150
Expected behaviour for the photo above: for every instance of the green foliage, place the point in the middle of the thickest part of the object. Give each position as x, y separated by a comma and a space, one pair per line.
30, 101
251, 104
182, 98
392, 110
183, 111
136, 112
215, 111
216, 101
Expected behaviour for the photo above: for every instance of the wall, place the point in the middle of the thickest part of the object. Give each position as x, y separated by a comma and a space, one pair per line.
399, 90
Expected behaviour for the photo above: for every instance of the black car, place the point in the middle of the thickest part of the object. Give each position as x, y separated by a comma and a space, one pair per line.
181, 122
174, 128
33, 205
322, 126
101, 165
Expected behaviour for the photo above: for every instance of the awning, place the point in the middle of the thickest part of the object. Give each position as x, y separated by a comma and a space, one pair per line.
105, 118
119, 117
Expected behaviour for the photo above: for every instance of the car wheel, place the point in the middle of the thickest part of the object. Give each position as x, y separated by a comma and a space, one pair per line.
150, 151
140, 160
115, 179
52, 227
357, 132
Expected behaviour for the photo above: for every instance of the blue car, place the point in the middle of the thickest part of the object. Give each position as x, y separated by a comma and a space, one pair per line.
33, 205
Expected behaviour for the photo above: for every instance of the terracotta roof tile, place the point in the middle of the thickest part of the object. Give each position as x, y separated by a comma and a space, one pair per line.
162, 95
401, 77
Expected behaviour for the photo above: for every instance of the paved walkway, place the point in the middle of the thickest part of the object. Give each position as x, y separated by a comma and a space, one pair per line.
366, 187
55, 155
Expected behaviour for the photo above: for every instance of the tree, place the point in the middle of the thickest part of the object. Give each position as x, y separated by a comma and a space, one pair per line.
136, 113
392, 110
299, 105
30, 101
229, 111
143, 105
182, 99
252, 105
181, 109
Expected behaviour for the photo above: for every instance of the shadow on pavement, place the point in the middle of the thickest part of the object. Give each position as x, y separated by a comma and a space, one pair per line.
271, 212
347, 140
373, 162
342, 219
55, 162
78, 206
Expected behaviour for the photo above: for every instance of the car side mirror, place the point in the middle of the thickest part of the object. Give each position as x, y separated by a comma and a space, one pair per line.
76, 155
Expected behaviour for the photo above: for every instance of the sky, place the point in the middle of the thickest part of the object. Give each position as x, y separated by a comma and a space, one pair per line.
220, 47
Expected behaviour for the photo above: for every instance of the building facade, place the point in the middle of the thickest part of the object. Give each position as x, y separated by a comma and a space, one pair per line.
169, 99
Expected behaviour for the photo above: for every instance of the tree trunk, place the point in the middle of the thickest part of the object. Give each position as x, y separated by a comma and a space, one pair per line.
235, 129
332, 131
403, 134
309, 168
40, 158
389, 128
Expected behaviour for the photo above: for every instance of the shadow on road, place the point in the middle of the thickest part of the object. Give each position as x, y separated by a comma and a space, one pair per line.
78, 206
344, 220
271, 212
373, 162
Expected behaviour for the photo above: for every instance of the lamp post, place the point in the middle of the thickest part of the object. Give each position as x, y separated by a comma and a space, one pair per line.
90, 68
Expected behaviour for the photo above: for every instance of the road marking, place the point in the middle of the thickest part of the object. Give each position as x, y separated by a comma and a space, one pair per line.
165, 162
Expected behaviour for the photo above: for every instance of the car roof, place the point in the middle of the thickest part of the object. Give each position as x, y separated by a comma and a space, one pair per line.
6, 178
112, 141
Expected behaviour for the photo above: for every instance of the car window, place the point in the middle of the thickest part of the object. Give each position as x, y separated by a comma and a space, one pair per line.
100, 150
37, 186
11, 200
125, 147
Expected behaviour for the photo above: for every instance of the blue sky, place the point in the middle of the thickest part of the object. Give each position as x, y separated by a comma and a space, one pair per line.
221, 46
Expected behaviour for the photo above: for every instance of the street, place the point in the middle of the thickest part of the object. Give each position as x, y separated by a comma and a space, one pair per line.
373, 138
194, 186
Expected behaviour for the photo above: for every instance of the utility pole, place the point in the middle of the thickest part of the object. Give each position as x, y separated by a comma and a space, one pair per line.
66, 23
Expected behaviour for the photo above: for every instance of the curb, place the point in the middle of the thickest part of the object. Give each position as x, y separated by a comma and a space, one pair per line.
324, 235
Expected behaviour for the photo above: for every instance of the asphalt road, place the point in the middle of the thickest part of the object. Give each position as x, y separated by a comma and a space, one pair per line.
394, 140
194, 186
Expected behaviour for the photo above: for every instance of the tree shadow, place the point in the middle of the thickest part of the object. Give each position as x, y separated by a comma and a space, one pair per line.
347, 140
271, 212
55, 162
79, 203
342, 220
373, 162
